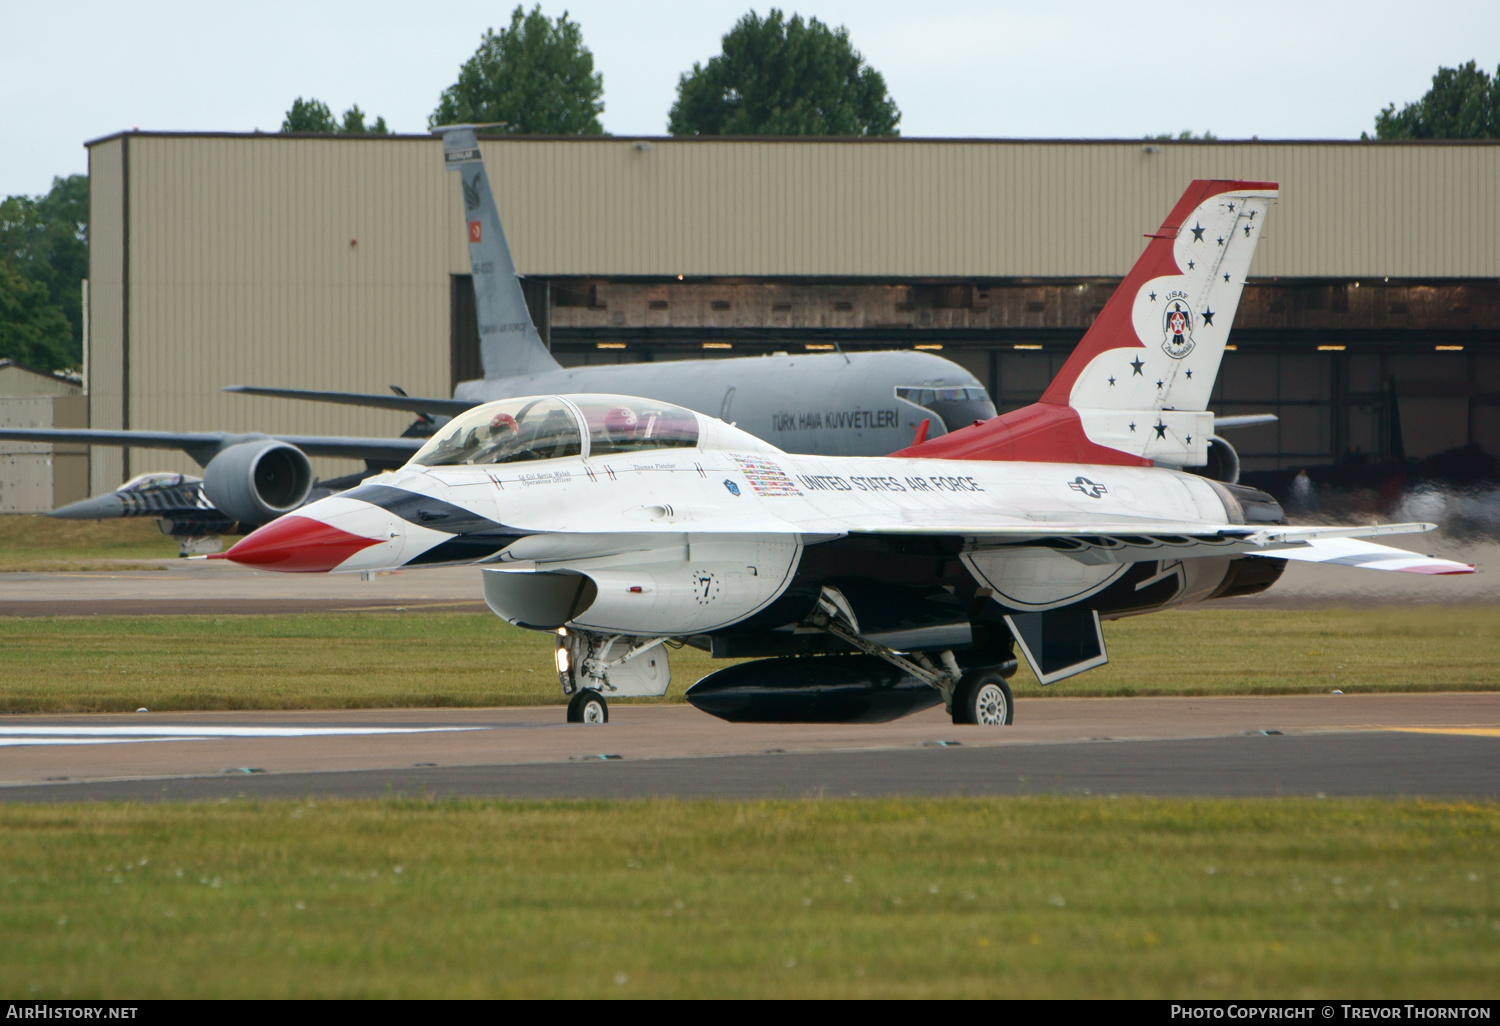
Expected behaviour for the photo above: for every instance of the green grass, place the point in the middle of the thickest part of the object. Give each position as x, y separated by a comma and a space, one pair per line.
312, 661
31, 543
1038, 897
382, 659
1206, 651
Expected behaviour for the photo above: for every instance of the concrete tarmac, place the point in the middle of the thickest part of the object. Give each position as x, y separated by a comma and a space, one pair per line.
1438, 745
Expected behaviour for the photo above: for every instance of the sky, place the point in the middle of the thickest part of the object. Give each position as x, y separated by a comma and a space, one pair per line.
74, 70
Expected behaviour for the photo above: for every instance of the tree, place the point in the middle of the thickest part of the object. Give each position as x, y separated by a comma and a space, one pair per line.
1463, 103
44, 240
309, 116
32, 330
1186, 135
536, 76
314, 116
354, 124
783, 77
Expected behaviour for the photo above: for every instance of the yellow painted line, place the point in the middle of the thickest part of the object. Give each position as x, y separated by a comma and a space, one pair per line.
1470, 731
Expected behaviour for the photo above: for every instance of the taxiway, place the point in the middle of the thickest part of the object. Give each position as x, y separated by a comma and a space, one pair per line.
1386, 744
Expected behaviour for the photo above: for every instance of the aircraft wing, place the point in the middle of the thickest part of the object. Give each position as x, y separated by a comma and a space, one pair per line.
410, 403
208, 443
396, 450
1131, 542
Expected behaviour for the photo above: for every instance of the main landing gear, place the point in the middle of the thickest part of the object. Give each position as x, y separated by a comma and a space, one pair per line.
983, 698
980, 697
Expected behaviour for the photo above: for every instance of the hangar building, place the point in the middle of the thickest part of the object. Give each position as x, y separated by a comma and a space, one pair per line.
340, 263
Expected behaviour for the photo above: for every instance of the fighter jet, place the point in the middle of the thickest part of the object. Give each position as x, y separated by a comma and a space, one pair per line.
860, 588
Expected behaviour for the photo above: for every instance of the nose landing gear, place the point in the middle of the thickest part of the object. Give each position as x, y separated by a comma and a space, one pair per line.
591, 665
588, 706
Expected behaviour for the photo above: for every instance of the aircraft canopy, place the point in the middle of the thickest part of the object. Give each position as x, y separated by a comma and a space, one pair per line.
553, 427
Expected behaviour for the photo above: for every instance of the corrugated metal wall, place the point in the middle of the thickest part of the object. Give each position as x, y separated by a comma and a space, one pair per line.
106, 267
324, 263
1002, 209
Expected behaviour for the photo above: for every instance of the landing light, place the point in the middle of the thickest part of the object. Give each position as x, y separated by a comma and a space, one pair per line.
1332, 349
1023, 346
562, 660
925, 346
1449, 349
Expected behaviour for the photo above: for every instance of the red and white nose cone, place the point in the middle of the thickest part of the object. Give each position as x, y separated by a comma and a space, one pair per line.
298, 545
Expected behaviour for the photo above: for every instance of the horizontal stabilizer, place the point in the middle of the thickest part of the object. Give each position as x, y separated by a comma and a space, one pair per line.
376, 400
1247, 420
1370, 556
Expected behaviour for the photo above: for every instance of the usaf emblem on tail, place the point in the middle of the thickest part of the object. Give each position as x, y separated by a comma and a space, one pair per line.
1177, 325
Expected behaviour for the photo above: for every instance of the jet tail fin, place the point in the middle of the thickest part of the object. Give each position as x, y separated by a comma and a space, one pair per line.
1135, 390
509, 345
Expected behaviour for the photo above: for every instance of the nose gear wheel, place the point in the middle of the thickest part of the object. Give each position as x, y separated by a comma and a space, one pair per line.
588, 706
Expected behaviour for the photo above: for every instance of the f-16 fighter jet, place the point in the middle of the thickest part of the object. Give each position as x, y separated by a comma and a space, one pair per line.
868, 587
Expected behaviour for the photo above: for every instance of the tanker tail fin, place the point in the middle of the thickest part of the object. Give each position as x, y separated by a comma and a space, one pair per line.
509, 345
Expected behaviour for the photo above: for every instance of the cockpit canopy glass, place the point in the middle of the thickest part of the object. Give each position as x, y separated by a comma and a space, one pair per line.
509, 431
619, 423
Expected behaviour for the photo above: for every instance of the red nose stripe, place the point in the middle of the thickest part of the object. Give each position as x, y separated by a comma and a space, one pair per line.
298, 545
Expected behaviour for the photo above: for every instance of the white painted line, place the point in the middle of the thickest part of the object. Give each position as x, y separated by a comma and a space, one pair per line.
206, 732
13, 742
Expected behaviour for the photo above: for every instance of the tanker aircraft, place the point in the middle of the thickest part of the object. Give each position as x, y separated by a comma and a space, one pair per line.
862, 588
834, 403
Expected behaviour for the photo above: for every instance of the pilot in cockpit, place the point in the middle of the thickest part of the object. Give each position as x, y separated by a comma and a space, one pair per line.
495, 442
620, 427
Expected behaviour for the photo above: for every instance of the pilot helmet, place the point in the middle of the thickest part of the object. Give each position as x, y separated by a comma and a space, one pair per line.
621, 422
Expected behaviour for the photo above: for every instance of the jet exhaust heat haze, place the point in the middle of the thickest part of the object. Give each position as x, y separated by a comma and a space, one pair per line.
861, 588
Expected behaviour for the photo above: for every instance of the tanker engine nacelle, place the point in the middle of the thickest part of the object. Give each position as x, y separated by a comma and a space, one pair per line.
257, 481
